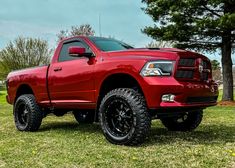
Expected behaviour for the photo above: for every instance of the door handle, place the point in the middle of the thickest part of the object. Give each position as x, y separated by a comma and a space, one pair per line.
57, 69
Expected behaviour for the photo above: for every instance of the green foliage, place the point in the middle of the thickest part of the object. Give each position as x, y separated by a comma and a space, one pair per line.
23, 53
216, 71
2, 72
215, 64
193, 24
82, 30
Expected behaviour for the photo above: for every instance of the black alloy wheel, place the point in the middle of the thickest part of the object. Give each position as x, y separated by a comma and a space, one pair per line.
119, 118
84, 116
27, 114
124, 117
187, 121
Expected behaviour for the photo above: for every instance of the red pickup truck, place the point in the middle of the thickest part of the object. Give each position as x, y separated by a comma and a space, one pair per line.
105, 80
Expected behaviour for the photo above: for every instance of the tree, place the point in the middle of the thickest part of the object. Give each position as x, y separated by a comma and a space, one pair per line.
23, 53
233, 73
233, 60
202, 25
216, 71
215, 64
160, 44
82, 30
2, 73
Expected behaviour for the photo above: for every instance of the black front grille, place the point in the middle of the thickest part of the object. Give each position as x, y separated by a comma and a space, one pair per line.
204, 76
205, 64
189, 62
185, 74
193, 69
211, 99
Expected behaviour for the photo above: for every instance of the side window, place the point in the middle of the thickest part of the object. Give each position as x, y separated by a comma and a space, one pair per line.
64, 53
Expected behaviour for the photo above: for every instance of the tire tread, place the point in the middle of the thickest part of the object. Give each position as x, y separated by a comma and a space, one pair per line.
135, 98
192, 123
36, 115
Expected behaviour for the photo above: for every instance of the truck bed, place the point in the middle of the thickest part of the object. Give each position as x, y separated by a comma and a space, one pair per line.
35, 77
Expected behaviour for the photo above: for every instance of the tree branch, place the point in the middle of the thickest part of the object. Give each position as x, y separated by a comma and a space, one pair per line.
201, 42
210, 10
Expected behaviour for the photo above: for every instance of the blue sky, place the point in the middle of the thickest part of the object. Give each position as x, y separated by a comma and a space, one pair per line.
122, 19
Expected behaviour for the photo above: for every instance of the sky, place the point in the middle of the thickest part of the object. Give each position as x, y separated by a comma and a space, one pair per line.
121, 19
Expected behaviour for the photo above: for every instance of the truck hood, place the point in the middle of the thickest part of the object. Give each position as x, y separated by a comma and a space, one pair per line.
153, 54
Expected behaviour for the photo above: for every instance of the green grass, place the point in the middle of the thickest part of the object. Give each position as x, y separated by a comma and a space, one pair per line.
221, 93
3, 97
61, 142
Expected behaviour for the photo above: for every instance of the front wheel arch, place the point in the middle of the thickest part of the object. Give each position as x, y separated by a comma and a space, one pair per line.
115, 81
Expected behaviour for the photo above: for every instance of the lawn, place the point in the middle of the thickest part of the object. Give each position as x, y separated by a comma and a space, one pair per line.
61, 142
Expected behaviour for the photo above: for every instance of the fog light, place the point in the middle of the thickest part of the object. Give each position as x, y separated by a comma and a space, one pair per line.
168, 98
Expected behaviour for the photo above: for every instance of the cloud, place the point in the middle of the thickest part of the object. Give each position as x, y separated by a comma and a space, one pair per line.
9, 30
45, 18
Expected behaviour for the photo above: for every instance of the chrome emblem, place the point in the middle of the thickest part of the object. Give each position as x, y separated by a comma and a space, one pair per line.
200, 68
212, 89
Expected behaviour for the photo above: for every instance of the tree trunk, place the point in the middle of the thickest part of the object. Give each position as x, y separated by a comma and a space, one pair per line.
227, 68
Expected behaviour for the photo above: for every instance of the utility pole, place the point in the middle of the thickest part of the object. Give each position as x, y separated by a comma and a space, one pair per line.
100, 25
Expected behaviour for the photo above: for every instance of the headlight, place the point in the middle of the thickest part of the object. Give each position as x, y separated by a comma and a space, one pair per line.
158, 68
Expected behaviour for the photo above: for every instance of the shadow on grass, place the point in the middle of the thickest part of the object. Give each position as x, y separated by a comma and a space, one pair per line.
70, 127
205, 134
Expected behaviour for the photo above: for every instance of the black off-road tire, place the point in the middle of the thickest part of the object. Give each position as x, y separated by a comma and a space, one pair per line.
140, 117
84, 116
32, 114
189, 121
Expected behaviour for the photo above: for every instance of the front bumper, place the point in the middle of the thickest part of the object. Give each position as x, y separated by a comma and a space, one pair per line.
187, 94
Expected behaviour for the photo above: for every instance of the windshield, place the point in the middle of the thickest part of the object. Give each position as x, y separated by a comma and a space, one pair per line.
106, 44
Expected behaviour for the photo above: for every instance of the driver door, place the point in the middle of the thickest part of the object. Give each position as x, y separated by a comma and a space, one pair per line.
71, 79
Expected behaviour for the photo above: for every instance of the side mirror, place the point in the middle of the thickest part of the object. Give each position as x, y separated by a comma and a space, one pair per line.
76, 51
